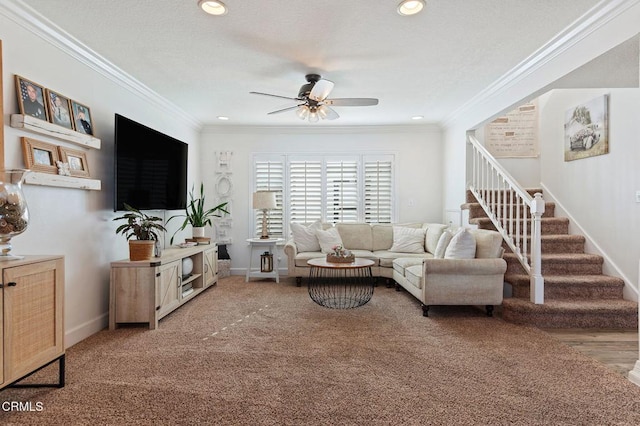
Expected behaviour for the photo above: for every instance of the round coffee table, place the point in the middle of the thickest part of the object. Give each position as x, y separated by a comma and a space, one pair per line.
340, 285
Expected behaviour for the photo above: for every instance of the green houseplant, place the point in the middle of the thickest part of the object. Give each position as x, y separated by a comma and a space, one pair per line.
196, 215
144, 228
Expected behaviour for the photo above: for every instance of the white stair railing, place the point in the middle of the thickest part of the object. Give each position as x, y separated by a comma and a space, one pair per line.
512, 210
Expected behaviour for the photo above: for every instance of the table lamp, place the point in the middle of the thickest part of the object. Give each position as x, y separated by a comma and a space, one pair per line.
264, 200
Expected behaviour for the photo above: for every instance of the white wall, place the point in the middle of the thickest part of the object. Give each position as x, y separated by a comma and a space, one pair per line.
418, 156
72, 222
598, 192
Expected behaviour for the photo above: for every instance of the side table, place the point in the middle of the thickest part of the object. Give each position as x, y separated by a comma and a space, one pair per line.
270, 245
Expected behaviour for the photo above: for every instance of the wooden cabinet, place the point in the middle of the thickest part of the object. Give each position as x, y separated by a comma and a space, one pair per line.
146, 291
32, 321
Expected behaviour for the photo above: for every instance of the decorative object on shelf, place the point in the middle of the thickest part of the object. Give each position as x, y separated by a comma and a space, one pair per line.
59, 109
266, 262
187, 267
142, 226
40, 156
14, 214
195, 214
340, 255
63, 168
31, 98
265, 201
76, 159
82, 118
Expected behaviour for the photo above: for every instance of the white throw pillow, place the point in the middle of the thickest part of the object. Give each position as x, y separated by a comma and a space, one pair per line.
305, 237
328, 239
443, 242
462, 246
408, 240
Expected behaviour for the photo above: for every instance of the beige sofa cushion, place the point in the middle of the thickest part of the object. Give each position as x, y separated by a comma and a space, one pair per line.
488, 243
408, 240
356, 236
387, 257
382, 234
402, 263
413, 274
443, 242
434, 231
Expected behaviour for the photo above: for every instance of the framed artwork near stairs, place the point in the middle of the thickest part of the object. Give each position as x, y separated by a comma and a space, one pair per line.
586, 129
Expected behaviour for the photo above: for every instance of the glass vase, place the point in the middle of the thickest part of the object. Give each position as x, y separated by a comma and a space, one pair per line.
14, 215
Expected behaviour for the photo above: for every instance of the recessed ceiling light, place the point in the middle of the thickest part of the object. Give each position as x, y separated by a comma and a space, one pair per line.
417, 117
213, 7
222, 117
410, 7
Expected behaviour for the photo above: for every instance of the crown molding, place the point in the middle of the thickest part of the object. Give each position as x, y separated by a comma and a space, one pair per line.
592, 20
30, 19
335, 130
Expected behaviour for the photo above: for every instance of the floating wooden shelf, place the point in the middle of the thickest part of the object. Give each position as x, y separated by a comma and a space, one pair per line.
49, 179
20, 121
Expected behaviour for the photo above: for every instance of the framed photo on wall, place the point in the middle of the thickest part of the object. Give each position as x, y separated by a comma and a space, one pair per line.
31, 98
59, 109
82, 118
77, 161
40, 156
586, 129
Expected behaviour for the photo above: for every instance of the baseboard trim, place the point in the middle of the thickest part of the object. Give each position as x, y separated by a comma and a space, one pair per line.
81, 332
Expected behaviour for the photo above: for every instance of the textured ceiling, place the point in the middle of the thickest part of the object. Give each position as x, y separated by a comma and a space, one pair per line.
429, 64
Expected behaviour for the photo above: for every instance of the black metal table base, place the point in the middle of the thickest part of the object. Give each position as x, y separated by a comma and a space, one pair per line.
61, 372
340, 288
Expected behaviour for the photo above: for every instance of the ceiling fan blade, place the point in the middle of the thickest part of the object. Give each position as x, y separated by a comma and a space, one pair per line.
278, 111
351, 101
327, 113
321, 90
275, 96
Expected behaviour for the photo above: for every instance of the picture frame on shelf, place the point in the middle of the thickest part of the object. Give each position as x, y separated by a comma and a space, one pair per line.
59, 109
31, 98
40, 156
83, 122
77, 160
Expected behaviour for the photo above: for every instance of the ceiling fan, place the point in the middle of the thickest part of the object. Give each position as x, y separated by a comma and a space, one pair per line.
313, 102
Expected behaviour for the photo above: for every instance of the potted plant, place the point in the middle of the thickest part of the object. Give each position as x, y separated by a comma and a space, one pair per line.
196, 215
144, 228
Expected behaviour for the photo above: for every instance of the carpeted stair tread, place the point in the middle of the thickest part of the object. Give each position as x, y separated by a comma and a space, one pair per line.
548, 225
557, 243
476, 210
572, 313
570, 286
470, 198
561, 264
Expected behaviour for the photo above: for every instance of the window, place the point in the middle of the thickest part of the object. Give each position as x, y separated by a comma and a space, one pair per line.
348, 188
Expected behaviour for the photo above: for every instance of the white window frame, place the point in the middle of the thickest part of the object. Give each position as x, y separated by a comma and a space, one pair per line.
286, 160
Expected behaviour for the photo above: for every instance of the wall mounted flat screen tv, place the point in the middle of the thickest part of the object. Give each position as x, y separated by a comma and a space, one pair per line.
150, 168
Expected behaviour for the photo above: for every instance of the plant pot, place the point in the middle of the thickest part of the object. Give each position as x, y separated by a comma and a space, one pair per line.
141, 249
198, 231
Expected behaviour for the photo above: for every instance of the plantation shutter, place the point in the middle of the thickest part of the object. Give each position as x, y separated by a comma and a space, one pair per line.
305, 191
342, 191
269, 176
378, 182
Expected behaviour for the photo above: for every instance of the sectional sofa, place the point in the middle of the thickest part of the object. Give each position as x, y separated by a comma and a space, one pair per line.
406, 253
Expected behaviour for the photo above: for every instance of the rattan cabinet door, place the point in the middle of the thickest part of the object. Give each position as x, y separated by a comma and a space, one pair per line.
33, 316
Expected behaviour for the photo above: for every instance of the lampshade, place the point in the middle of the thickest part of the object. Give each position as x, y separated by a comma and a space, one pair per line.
264, 200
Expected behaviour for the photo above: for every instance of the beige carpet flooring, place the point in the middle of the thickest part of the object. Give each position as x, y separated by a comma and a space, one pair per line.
262, 353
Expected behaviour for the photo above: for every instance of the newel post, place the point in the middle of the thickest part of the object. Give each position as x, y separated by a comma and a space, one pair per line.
536, 280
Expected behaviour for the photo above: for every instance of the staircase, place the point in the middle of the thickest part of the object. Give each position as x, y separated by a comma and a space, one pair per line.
576, 293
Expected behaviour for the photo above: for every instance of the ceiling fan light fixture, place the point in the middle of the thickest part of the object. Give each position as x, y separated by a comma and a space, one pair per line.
313, 117
410, 7
322, 112
302, 112
213, 7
